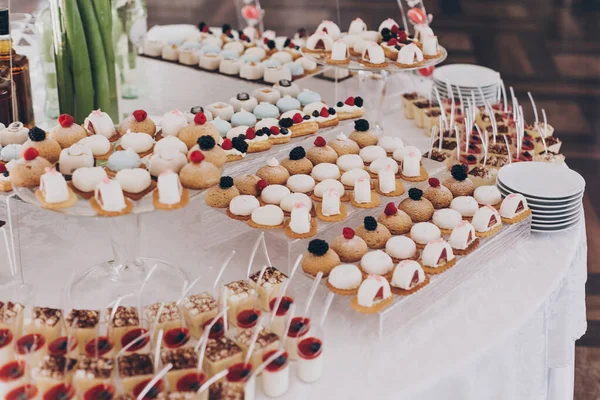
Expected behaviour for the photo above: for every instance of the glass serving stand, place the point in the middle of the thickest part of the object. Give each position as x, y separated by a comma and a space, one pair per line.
372, 81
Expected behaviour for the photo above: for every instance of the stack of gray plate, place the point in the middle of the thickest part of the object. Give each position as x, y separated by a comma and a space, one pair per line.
554, 193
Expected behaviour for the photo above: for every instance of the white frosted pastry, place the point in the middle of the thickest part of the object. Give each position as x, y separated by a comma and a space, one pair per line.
109, 195
257, 52
329, 28
236, 47
430, 45
411, 164
307, 64
407, 275
339, 51
345, 277
283, 57
276, 73
410, 55
424, 232
243, 205
100, 123
269, 215
189, 56
266, 123
98, 144
373, 53
386, 179
462, 236
357, 26
252, 70
301, 183
54, 187
166, 159
370, 288
447, 218
289, 201
137, 141
287, 88
351, 40
319, 41
361, 44
401, 247
300, 219
134, 180
376, 262
486, 218
170, 52
170, 142
487, 195
362, 191
372, 153
331, 203
221, 109
402, 151
513, 205
388, 23
437, 253
173, 122
11, 152
86, 179
390, 144
14, 133
76, 156
467, 206
153, 48
349, 162
349, 177
273, 194
243, 101
169, 188
370, 36
381, 163
267, 94
325, 171
327, 184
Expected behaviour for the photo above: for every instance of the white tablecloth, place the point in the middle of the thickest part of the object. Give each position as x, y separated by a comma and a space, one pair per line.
505, 333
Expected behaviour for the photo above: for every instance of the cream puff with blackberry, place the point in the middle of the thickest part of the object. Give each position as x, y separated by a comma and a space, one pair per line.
319, 258
343, 145
199, 174
221, 195
418, 208
191, 133
459, 184
212, 153
362, 134
47, 147
373, 233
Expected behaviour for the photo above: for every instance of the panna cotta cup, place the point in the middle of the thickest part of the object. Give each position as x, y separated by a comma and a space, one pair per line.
154, 391
12, 375
299, 329
276, 375
7, 344
191, 383
31, 348
103, 391
64, 346
248, 318
217, 330
141, 345
278, 323
100, 346
61, 391
27, 391
176, 337
241, 380
310, 359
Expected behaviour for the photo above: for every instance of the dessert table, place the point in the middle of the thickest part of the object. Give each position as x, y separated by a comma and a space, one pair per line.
505, 331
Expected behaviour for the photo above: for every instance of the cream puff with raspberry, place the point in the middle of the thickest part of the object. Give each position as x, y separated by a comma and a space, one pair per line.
235, 149
67, 132
348, 246
138, 121
212, 153
321, 152
47, 147
27, 171
199, 174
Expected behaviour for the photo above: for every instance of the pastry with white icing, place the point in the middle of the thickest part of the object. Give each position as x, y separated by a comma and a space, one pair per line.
319, 42
488, 195
74, 157
241, 207
377, 262
401, 248
268, 216
463, 238
467, 206
424, 232
344, 279
134, 181
166, 159
374, 295
99, 145
447, 219
273, 194
301, 183
172, 123
86, 179
514, 208
109, 199
438, 254
53, 191
486, 221
408, 274
100, 123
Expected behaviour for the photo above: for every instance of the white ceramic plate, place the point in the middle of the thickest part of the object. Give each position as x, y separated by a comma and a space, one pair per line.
467, 75
553, 230
542, 180
493, 90
544, 218
556, 226
536, 201
559, 221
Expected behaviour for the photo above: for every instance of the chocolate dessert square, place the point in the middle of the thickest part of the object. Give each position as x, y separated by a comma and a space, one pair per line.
134, 369
265, 342
46, 321
11, 317
82, 324
197, 309
92, 371
125, 319
220, 354
170, 316
184, 361
53, 370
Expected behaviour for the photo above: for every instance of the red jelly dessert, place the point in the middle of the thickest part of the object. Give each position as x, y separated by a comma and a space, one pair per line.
100, 392
6, 337
474, 148
191, 382
217, 330
468, 159
527, 145
176, 337
526, 156
134, 335
59, 347
154, 391
23, 392
299, 327
12, 370
98, 346
475, 138
30, 343
239, 372
284, 306
277, 364
310, 348
248, 318
60, 392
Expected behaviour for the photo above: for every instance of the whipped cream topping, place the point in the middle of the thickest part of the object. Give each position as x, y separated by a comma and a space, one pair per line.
369, 288
405, 273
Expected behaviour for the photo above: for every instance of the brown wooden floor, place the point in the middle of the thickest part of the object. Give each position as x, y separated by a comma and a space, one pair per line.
548, 47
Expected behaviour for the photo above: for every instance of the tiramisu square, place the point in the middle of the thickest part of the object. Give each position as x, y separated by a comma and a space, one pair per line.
125, 319
170, 316
197, 309
240, 296
92, 371
269, 286
265, 342
184, 360
220, 354
46, 321
11, 317
419, 109
82, 324
407, 101
134, 369
53, 370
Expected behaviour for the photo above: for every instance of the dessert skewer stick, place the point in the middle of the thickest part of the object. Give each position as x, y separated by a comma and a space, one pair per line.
222, 270
115, 306
484, 142
253, 254
441, 136
288, 323
154, 380
432, 140
507, 149
504, 98
452, 113
224, 306
284, 289
132, 343
521, 131
264, 246
514, 103
157, 349
492, 115
268, 361
157, 318
187, 289
440, 104
326, 308
545, 123
69, 338
312, 292
205, 335
255, 334
142, 287
535, 112
212, 380
457, 132
462, 103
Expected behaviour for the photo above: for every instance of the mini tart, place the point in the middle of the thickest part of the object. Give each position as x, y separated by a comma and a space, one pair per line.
349, 249
398, 192
304, 128
398, 223
197, 176
342, 145
56, 206
439, 196
422, 177
246, 184
332, 218
323, 154
348, 276
145, 124
291, 234
375, 201
185, 200
374, 234
419, 209
273, 175
100, 211
319, 258
221, 195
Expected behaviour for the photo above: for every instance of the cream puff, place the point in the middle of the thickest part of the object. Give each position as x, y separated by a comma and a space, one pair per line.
459, 184
349, 246
297, 163
321, 152
362, 135
319, 258
138, 121
416, 206
273, 173
67, 132
199, 174
191, 133
47, 147
373, 233
221, 195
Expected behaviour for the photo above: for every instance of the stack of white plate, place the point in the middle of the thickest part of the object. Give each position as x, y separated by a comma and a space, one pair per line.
468, 78
553, 192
